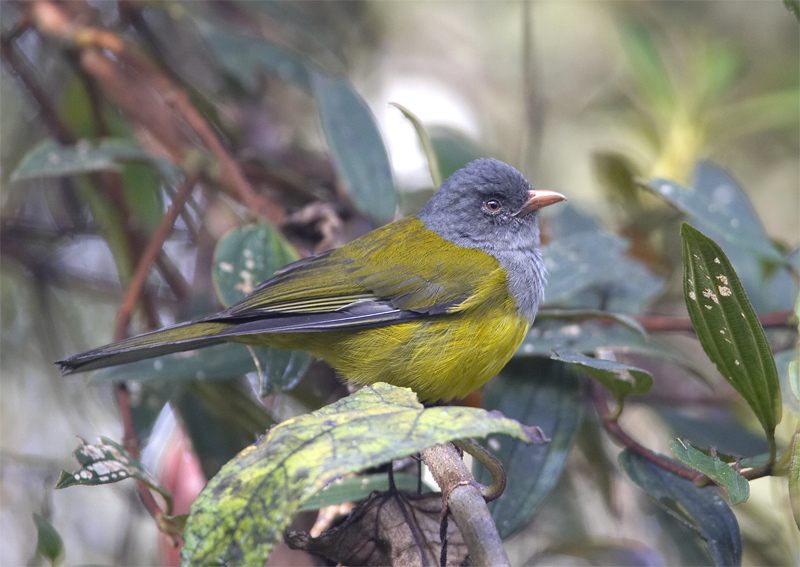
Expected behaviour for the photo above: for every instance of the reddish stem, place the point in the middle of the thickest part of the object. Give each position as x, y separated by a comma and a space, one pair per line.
662, 323
150, 255
613, 427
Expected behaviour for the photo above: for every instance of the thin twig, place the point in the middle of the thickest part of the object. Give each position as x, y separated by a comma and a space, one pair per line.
131, 445
52, 20
150, 255
612, 426
661, 323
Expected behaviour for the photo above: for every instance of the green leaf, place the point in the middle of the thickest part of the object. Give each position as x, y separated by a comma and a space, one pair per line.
356, 146
729, 329
588, 314
718, 206
734, 484
107, 462
243, 510
243, 259
647, 67
51, 159
794, 478
578, 261
142, 185
617, 175
700, 509
424, 141
220, 419
619, 379
48, 541
547, 334
245, 57
718, 68
788, 364
355, 488
721, 429
531, 390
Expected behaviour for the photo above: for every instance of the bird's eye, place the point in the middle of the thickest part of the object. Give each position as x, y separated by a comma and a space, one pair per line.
492, 205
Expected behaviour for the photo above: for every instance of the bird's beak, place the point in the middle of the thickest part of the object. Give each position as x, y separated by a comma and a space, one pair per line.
537, 199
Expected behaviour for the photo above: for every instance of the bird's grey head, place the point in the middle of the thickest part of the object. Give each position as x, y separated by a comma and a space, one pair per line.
489, 205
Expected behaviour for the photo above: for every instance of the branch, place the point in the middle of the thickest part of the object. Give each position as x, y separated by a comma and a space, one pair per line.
146, 93
612, 426
150, 255
660, 323
463, 498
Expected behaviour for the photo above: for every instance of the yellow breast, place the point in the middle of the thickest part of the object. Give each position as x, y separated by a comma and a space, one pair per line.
441, 357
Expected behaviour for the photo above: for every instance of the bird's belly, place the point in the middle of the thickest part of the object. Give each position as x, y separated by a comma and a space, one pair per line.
440, 358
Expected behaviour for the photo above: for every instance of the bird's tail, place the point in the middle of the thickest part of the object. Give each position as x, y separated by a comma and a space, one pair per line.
186, 336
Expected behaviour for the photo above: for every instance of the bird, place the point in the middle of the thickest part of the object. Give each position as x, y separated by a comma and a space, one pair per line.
437, 302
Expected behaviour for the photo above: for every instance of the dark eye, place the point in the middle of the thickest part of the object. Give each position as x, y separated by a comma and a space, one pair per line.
492, 205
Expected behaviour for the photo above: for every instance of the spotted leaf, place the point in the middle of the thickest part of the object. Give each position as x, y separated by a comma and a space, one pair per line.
105, 462
728, 327
245, 508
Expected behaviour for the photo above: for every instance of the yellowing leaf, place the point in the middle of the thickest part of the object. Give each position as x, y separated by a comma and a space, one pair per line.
243, 510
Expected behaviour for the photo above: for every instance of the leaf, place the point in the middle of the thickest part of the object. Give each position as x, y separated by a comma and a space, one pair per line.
647, 67
794, 478
424, 141
775, 110
246, 56
243, 259
721, 429
718, 68
531, 390
788, 364
243, 510
453, 149
728, 327
221, 419
355, 488
356, 146
619, 379
48, 541
701, 510
51, 159
547, 334
617, 175
142, 185
719, 206
391, 528
567, 219
734, 484
588, 314
579, 260
107, 462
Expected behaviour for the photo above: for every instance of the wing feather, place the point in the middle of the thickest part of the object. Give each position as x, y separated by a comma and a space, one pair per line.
378, 275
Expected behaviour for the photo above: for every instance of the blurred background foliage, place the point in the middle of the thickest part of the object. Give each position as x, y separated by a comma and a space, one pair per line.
587, 98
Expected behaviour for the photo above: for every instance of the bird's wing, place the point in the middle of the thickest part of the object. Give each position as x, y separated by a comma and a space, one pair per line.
402, 272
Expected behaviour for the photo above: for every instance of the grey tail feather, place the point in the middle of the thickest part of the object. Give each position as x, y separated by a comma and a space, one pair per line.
186, 336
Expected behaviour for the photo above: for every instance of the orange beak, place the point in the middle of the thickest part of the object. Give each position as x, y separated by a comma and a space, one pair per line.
538, 199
